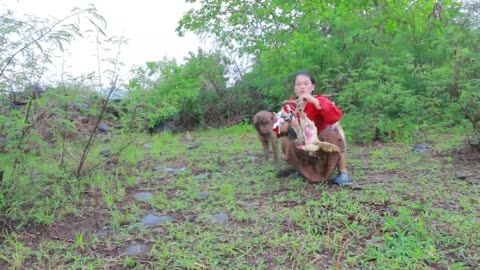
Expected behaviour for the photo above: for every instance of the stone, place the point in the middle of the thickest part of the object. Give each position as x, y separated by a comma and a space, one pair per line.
159, 168
153, 220
105, 152
103, 127
220, 218
80, 106
420, 148
3, 141
137, 250
189, 218
143, 196
193, 145
176, 170
201, 176
84, 120
203, 195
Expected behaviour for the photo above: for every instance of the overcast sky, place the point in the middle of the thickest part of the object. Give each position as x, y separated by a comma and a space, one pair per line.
148, 24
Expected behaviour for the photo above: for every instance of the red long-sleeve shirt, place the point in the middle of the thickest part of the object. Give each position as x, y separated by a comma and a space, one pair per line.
328, 115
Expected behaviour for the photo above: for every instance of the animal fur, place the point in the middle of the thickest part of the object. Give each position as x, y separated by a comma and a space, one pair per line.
263, 122
307, 139
315, 157
282, 117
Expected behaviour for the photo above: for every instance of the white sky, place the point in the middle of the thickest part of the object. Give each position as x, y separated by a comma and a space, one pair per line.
149, 25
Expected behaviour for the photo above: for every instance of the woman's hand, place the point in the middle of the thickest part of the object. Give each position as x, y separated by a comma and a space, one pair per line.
311, 99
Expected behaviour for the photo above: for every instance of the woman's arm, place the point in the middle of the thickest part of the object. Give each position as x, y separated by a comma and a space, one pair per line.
311, 99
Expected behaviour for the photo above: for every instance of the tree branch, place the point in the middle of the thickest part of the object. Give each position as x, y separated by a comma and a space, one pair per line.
49, 30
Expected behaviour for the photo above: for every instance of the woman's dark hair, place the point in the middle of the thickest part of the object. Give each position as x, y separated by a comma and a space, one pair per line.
304, 72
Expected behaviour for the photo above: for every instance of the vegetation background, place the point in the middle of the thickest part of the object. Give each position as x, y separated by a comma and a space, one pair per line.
403, 72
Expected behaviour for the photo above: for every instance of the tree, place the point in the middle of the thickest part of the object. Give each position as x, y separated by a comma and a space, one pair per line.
166, 91
390, 61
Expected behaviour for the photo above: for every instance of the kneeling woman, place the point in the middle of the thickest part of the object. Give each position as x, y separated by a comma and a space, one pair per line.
325, 115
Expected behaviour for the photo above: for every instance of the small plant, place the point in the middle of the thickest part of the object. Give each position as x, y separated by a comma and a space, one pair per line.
129, 262
14, 253
79, 242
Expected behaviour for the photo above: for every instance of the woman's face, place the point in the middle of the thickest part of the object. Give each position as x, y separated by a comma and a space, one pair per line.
303, 85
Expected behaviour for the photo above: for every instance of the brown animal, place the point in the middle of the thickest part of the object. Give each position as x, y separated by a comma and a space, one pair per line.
263, 122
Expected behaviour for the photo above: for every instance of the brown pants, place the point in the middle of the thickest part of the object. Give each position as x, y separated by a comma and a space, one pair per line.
319, 166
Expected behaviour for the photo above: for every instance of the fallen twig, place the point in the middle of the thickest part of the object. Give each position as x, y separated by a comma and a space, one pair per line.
202, 266
319, 257
340, 255
373, 182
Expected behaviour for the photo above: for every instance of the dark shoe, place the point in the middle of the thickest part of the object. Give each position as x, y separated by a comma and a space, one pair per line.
285, 172
342, 179
296, 175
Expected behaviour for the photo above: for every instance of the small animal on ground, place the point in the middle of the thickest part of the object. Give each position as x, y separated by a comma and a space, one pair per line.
263, 122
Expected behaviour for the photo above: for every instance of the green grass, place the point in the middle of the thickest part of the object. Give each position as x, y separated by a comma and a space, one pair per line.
412, 214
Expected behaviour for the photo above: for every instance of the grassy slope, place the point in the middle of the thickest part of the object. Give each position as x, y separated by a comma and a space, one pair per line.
413, 212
